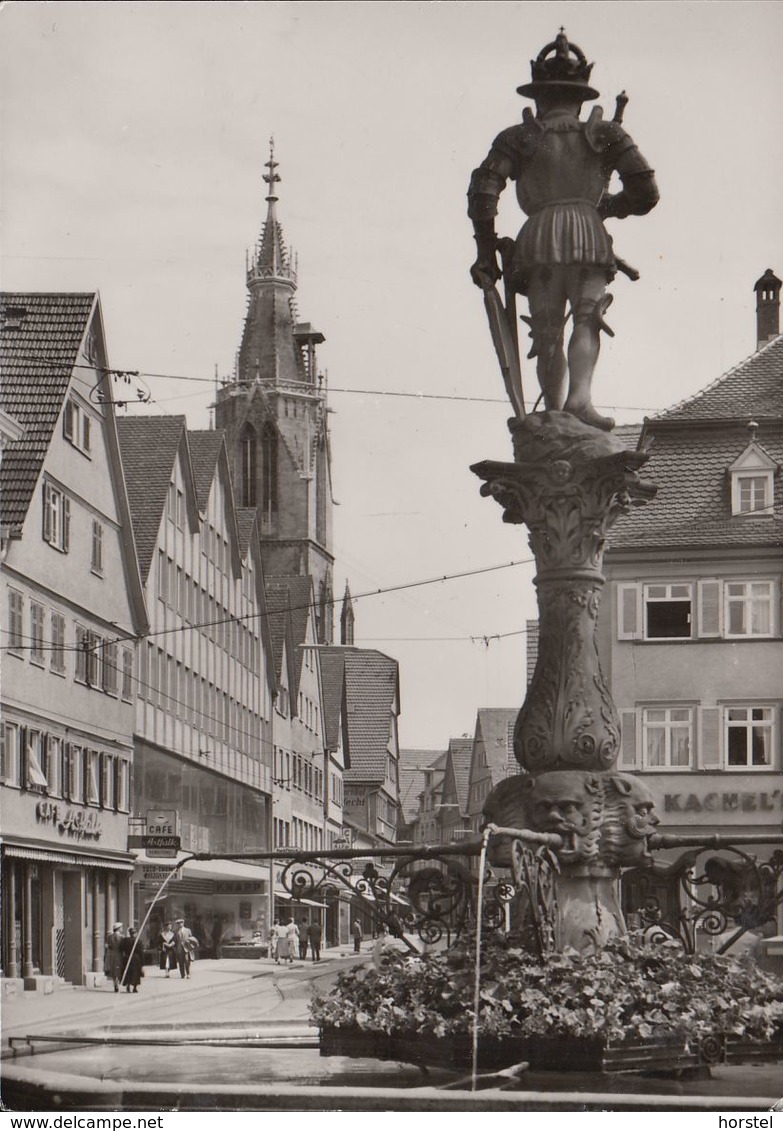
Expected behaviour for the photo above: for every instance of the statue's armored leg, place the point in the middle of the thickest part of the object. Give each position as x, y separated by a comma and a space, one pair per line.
547, 301
588, 308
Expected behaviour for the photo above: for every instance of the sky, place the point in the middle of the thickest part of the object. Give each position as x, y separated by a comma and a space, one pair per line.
133, 143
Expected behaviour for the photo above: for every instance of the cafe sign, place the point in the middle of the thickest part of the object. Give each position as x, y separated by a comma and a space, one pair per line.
81, 824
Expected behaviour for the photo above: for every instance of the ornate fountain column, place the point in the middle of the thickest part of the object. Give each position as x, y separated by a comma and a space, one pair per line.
568, 483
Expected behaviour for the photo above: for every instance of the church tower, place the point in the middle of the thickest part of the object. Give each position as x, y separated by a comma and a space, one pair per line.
274, 417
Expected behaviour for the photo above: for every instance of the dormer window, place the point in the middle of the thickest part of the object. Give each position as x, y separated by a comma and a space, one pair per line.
752, 480
752, 493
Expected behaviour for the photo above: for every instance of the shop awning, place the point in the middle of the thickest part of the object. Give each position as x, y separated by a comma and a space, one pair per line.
80, 859
206, 869
284, 895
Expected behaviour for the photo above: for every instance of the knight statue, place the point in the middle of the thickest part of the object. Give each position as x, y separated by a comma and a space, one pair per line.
563, 256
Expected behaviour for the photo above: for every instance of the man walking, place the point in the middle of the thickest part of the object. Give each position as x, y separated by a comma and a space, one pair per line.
184, 945
303, 935
358, 935
314, 937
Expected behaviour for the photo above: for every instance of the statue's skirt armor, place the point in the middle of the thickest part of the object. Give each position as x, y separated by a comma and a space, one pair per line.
563, 233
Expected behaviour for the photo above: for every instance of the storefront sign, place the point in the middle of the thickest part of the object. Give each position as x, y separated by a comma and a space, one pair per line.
356, 805
159, 875
160, 845
724, 801
238, 887
160, 837
81, 824
345, 839
161, 822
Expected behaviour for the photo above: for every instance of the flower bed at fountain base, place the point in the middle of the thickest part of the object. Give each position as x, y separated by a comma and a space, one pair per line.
551, 1054
631, 1007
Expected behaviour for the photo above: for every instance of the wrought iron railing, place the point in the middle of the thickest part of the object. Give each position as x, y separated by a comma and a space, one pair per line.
427, 896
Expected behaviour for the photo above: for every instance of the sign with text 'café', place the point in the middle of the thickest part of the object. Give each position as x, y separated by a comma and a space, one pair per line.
160, 838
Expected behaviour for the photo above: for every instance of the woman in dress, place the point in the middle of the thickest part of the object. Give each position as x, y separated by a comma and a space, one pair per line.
113, 962
133, 961
168, 961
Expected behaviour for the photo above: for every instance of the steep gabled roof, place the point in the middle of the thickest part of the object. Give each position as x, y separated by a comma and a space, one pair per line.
372, 697
332, 666
456, 780
205, 446
495, 730
246, 522
751, 390
693, 445
40, 338
149, 446
413, 763
693, 503
291, 596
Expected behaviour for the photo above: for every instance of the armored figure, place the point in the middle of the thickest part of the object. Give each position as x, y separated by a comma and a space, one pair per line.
561, 166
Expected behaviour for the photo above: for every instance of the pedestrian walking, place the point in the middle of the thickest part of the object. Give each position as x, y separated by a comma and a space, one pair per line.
292, 933
133, 961
112, 958
217, 937
283, 951
166, 957
275, 932
184, 947
358, 935
314, 938
302, 931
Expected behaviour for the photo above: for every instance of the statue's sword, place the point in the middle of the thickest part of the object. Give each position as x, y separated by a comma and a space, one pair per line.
503, 328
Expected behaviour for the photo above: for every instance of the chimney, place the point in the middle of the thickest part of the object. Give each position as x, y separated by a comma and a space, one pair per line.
767, 307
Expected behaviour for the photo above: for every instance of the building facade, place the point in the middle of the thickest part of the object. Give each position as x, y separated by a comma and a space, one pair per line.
203, 727
690, 626
74, 604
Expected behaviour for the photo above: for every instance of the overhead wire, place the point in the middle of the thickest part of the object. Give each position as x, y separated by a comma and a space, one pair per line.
136, 373
236, 619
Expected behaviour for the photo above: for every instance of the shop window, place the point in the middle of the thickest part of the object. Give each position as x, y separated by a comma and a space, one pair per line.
750, 737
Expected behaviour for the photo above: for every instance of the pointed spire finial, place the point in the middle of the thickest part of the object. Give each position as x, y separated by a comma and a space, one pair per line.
272, 177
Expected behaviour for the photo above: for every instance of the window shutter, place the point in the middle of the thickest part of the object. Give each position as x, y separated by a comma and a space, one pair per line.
628, 759
24, 761
86, 433
710, 608
629, 611
66, 523
68, 420
47, 513
710, 738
